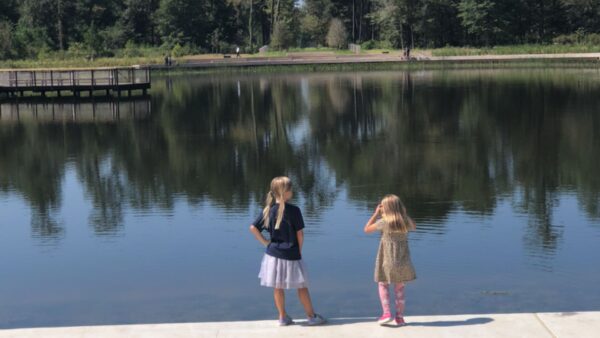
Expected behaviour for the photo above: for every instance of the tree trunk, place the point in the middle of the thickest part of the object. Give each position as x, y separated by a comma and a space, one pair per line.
250, 30
272, 17
277, 13
61, 38
360, 20
353, 20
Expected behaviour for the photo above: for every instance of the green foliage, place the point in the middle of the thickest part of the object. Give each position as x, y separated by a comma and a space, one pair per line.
578, 38
41, 28
179, 50
78, 50
386, 18
314, 22
282, 37
93, 41
479, 19
337, 37
29, 40
183, 18
6, 40
131, 50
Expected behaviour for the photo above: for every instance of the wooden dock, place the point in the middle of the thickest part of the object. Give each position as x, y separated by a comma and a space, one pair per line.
35, 109
15, 82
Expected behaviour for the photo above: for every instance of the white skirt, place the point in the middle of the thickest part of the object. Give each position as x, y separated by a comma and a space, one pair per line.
282, 273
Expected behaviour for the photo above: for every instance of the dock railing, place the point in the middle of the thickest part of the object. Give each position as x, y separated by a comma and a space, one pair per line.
42, 80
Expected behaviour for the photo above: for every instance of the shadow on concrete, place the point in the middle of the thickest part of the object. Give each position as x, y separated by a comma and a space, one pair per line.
439, 323
341, 321
448, 323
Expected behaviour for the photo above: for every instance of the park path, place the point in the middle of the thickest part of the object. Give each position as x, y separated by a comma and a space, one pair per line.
331, 58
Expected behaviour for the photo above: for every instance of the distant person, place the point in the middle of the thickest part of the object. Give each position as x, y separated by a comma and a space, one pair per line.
237, 51
407, 53
393, 264
282, 267
167, 60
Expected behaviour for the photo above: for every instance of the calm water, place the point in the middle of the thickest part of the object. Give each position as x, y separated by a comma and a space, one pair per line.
145, 218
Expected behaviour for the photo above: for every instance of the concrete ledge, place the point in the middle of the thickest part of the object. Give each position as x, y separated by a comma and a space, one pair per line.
577, 324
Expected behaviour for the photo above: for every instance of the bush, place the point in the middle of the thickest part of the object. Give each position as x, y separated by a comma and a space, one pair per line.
282, 36
578, 38
78, 50
187, 49
337, 36
113, 37
131, 50
370, 44
27, 40
6, 41
373, 44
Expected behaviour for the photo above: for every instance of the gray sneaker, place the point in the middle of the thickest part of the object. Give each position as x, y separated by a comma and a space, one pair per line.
317, 319
285, 321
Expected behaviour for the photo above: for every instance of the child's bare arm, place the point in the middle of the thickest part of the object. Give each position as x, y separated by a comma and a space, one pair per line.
371, 225
258, 235
300, 235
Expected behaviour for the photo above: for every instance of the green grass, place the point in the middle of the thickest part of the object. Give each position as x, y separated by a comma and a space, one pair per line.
80, 62
150, 56
515, 49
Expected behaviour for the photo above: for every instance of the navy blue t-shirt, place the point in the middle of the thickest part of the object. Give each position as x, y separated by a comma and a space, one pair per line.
284, 241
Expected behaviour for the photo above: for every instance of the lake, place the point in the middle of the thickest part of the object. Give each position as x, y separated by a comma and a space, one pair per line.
114, 215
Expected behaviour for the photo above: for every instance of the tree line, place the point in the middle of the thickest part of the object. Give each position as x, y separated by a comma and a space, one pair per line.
33, 28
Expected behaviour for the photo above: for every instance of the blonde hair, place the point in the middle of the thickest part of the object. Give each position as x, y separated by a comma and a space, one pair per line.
394, 214
279, 186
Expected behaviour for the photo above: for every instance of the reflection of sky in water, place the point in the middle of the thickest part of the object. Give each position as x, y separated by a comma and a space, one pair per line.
147, 221
198, 262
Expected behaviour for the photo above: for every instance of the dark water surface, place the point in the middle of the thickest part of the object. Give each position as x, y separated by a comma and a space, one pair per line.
145, 218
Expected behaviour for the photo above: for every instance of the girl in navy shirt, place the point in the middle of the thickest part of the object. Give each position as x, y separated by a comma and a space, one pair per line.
282, 266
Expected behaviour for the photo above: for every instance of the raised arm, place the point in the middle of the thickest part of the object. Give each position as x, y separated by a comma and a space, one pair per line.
258, 235
371, 224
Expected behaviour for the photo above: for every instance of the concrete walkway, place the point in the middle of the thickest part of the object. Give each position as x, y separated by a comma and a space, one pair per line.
372, 58
576, 324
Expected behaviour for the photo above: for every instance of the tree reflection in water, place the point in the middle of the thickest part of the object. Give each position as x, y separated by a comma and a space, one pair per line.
444, 140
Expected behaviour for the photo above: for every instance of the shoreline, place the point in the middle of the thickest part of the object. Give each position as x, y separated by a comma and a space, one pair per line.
559, 324
310, 61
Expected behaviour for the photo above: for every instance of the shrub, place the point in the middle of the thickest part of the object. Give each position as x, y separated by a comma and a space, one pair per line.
282, 36
179, 50
6, 41
337, 37
131, 50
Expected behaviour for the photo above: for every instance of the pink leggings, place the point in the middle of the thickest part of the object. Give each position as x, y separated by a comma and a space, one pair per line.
384, 296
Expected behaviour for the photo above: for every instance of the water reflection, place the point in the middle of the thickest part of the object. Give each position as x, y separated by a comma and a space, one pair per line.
40, 138
499, 168
443, 140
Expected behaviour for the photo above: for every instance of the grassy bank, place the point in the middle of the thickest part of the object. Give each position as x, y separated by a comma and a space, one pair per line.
515, 49
154, 57
80, 62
